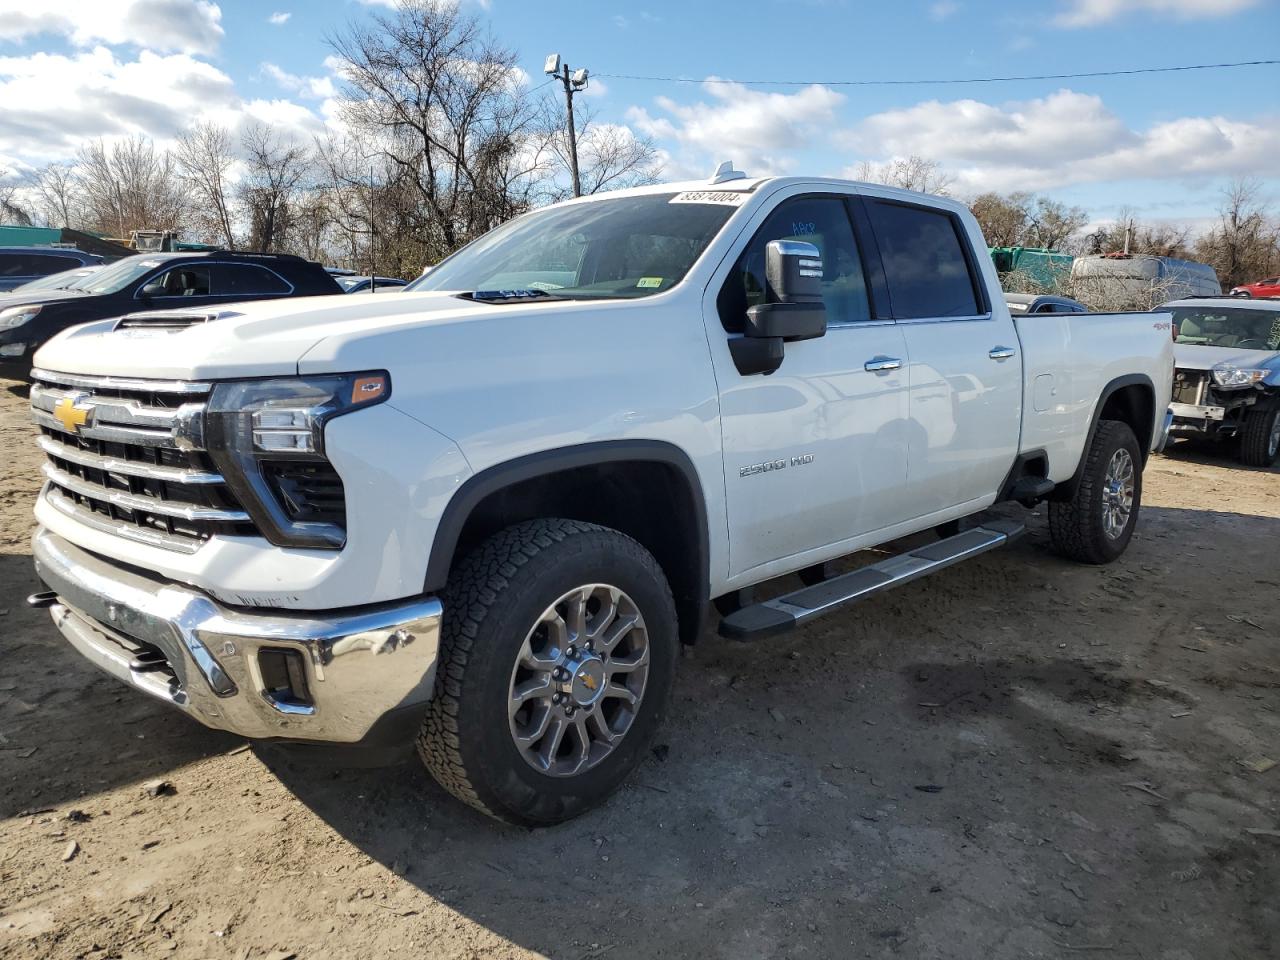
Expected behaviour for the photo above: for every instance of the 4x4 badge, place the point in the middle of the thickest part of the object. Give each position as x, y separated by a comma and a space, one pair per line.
71, 415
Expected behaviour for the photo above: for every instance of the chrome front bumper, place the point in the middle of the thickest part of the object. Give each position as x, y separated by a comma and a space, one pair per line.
351, 667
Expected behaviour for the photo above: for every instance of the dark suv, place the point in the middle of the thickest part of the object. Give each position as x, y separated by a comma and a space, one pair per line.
150, 281
19, 265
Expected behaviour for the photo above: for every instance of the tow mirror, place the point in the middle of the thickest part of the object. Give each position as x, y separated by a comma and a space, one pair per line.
793, 309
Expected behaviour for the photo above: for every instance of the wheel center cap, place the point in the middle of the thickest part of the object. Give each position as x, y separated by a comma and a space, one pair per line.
587, 685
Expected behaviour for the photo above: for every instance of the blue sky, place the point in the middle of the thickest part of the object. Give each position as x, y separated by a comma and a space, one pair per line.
1163, 144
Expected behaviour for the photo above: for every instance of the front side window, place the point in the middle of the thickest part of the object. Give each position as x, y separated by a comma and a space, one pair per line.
184, 281
1239, 328
626, 247
924, 262
822, 221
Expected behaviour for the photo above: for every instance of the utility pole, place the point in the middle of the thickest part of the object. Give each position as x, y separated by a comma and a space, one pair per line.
574, 82
373, 280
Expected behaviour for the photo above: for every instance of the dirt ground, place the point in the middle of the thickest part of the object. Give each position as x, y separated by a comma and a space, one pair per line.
1018, 758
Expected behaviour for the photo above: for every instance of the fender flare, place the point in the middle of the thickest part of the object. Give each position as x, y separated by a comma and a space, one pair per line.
495, 478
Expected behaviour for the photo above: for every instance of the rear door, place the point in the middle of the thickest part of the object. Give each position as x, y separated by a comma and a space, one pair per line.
965, 364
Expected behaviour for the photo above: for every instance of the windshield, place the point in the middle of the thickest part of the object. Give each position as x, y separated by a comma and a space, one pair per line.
1239, 328
625, 247
119, 275
65, 280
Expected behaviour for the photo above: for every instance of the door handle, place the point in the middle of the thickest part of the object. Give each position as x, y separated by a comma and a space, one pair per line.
1001, 353
882, 364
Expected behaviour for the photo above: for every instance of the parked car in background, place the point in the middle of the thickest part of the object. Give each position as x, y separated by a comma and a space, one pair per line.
19, 265
1145, 281
1259, 288
194, 282
1226, 384
1024, 303
356, 284
57, 281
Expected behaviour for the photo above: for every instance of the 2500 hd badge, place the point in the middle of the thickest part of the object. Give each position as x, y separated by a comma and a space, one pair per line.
770, 465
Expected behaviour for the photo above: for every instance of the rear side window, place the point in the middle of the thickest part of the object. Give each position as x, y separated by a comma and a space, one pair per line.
924, 262
246, 279
34, 264
822, 221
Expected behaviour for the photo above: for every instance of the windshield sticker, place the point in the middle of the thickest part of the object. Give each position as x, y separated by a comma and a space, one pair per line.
731, 198
649, 283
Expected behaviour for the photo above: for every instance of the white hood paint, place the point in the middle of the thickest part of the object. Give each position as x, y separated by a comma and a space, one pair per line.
262, 338
1194, 356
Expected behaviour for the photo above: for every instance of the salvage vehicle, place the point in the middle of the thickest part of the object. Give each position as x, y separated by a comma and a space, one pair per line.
484, 517
146, 282
1226, 385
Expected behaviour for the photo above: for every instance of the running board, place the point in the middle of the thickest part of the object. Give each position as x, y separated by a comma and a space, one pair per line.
793, 609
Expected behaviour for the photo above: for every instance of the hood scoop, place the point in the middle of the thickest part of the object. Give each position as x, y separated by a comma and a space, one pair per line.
172, 322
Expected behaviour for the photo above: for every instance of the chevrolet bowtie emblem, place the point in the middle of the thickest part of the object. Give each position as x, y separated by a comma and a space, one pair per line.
71, 415
589, 681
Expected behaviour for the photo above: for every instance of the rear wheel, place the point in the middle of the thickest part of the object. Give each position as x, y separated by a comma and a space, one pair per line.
556, 662
1260, 438
1096, 524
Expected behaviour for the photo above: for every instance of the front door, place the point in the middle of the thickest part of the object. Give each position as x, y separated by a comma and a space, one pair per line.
966, 366
815, 453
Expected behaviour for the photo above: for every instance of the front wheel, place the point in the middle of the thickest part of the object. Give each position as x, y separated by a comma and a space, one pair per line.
1096, 524
556, 663
1260, 438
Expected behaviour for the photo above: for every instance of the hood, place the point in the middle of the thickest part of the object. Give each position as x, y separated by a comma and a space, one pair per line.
21, 298
257, 339
1195, 356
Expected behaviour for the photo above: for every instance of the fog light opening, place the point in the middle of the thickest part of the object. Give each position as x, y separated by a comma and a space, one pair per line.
284, 678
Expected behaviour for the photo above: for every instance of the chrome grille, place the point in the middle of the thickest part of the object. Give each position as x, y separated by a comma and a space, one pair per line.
127, 457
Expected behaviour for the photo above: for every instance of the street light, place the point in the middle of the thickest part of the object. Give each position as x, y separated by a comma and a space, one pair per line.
574, 82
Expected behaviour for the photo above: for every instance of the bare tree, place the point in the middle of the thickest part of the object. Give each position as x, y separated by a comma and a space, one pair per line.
58, 194
445, 105
610, 157
11, 207
130, 186
909, 173
1003, 219
205, 155
1051, 223
1128, 233
274, 168
1245, 244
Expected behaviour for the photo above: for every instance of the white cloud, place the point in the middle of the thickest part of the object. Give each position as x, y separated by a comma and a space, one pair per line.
943, 9
55, 103
279, 19
1062, 139
185, 26
758, 130
1088, 13
315, 88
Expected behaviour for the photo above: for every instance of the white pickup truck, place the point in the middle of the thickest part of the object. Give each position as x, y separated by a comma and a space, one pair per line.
484, 517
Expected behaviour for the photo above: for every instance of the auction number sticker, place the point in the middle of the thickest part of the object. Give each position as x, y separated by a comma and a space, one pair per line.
731, 198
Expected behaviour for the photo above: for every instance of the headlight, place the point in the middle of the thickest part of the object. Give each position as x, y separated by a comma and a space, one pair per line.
1230, 377
17, 316
267, 439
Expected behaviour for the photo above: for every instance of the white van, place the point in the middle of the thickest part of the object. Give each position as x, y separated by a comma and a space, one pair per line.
1147, 281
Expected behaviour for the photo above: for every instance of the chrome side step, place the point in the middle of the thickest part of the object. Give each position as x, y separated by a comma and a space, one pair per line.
793, 609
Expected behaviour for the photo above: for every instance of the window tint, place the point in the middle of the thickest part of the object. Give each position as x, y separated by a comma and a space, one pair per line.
246, 279
924, 262
822, 221
34, 264
186, 281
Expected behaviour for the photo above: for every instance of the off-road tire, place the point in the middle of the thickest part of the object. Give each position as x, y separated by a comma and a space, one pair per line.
492, 600
1255, 438
1076, 526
